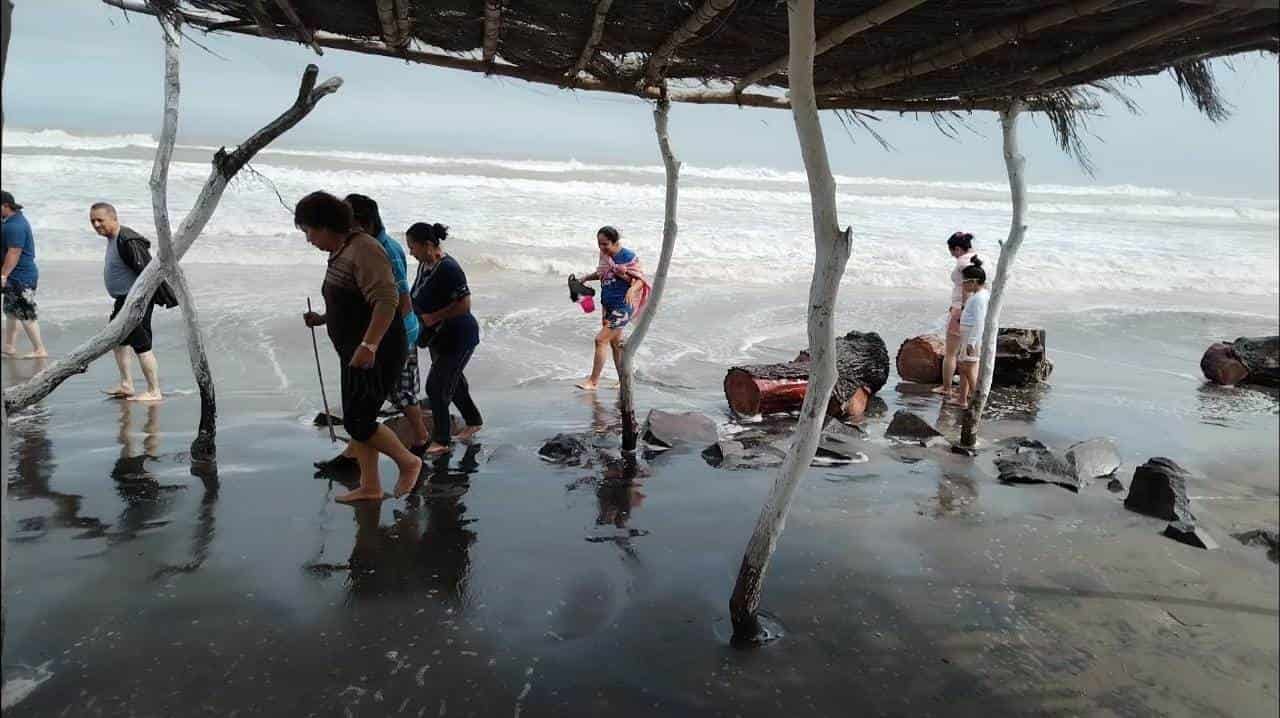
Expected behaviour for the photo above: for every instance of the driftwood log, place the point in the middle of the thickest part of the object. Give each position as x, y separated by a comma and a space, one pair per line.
1020, 358
862, 363
1247, 360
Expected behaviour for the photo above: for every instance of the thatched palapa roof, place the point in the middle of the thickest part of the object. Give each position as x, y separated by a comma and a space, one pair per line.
899, 55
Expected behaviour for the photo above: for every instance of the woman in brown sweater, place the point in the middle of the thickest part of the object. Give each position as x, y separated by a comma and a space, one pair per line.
361, 303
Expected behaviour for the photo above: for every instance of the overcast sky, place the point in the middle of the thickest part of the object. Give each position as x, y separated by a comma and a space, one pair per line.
80, 65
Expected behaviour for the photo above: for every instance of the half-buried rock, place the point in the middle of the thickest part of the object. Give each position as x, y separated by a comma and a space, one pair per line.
906, 426
1033, 463
667, 429
1247, 360
564, 449
862, 363
1190, 534
1093, 459
1159, 489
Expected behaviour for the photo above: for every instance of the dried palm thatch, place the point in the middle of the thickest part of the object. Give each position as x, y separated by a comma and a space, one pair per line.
935, 56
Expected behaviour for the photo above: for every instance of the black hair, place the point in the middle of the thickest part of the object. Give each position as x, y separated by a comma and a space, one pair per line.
960, 240
321, 210
105, 206
610, 234
425, 232
365, 212
975, 271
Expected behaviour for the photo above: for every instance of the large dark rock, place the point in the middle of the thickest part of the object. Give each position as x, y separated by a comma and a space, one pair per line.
1020, 357
564, 449
1093, 458
1247, 360
1267, 538
743, 452
1190, 534
1031, 462
1159, 489
667, 429
910, 427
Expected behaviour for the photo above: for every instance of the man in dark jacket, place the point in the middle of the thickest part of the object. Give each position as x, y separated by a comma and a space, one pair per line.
127, 254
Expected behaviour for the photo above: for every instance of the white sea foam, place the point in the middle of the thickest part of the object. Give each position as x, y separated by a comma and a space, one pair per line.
536, 218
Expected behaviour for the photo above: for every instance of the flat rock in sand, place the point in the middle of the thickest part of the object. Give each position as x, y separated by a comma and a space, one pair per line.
910, 427
1190, 534
667, 429
1267, 538
1034, 463
1093, 458
564, 449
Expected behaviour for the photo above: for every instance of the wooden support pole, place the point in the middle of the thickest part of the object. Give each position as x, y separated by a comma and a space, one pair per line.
832, 247
708, 11
492, 28
225, 166
593, 40
305, 35
950, 54
874, 17
170, 26
626, 367
1014, 163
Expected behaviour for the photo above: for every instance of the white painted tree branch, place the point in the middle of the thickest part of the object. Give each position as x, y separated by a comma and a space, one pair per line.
225, 166
626, 370
1014, 163
171, 26
832, 249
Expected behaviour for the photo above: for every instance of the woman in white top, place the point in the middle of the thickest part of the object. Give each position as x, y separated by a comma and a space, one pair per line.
960, 245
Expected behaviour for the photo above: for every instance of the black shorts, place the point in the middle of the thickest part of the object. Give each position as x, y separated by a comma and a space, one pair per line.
364, 391
140, 337
19, 302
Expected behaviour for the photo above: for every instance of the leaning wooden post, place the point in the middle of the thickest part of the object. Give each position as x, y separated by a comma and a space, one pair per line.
171, 27
225, 166
1014, 162
832, 248
626, 367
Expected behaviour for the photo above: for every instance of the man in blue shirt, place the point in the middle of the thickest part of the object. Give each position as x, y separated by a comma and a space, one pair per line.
405, 396
18, 278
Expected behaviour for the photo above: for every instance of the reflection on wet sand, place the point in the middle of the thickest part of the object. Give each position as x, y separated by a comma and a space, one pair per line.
146, 501
33, 467
1221, 405
426, 549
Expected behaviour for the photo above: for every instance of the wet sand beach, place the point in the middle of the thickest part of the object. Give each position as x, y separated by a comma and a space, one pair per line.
913, 584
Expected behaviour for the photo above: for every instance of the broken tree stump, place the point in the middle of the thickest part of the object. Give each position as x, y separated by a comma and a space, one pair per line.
1247, 360
861, 359
1020, 358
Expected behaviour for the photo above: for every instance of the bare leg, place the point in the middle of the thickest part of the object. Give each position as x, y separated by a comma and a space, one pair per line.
125, 387
151, 371
370, 483
10, 337
967, 378
597, 361
384, 441
38, 351
418, 423
952, 352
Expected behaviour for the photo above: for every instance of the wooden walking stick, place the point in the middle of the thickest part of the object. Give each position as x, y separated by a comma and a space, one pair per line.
328, 420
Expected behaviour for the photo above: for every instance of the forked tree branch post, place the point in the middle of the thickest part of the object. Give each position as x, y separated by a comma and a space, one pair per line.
1014, 162
171, 27
626, 364
832, 249
6, 30
225, 166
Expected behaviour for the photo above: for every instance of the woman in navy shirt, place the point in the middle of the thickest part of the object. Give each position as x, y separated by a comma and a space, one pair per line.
442, 301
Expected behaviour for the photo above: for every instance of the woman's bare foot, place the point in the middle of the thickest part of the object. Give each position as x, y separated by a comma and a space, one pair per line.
587, 385
409, 474
42, 354
956, 403
437, 450
119, 391
360, 494
941, 390
147, 396
468, 432
9, 352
